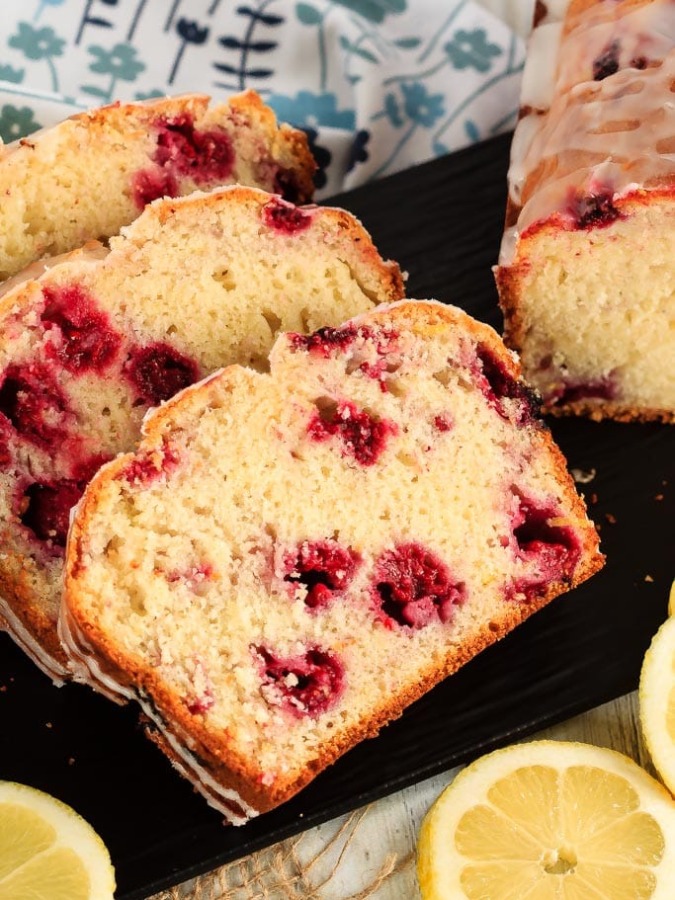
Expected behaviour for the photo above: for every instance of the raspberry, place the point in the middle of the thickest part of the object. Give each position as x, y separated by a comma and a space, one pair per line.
323, 567
85, 340
6, 455
47, 509
85, 469
146, 467
325, 340
593, 210
158, 371
200, 705
607, 63
443, 422
305, 685
573, 391
500, 387
202, 155
363, 436
151, 184
34, 404
414, 587
192, 577
284, 217
552, 550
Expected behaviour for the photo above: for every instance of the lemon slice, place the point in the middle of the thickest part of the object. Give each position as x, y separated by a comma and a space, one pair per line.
549, 820
47, 852
657, 701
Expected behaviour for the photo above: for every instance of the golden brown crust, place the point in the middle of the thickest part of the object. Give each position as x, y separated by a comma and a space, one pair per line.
388, 271
18, 292
511, 277
119, 115
286, 141
121, 137
132, 118
238, 773
211, 748
25, 296
606, 409
34, 619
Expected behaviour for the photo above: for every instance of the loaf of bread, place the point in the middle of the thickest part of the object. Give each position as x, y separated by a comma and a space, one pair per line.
193, 284
291, 558
586, 270
93, 173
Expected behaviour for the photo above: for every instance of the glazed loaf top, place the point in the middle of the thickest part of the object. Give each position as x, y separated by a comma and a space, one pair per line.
597, 117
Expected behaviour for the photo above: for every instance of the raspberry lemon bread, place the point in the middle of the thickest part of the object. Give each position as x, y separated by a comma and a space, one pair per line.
88, 176
291, 558
194, 284
586, 274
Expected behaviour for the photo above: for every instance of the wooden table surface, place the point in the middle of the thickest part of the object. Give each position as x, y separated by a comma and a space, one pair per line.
371, 853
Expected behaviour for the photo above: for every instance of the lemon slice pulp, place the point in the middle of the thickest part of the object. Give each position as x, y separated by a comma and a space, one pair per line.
657, 702
549, 820
47, 851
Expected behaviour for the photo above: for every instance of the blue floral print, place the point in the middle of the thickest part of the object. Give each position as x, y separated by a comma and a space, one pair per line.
471, 48
120, 62
359, 153
377, 84
39, 44
9, 73
420, 106
43, 4
16, 122
311, 110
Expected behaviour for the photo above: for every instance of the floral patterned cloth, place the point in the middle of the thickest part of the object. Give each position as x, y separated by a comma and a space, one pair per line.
378, 85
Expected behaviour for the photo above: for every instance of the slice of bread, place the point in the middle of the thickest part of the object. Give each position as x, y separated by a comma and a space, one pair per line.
93, 173
291, 558
85, 348
586, 268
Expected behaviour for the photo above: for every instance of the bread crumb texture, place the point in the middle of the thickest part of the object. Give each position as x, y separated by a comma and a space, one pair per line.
292, 556
86, 348
88, 176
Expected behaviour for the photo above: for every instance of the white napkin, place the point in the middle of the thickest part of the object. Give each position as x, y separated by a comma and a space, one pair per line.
379, 85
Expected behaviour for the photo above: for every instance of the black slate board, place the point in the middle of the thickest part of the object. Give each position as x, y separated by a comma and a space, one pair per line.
443, 222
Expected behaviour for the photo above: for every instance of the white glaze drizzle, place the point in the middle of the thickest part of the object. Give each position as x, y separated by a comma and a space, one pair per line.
31, 647
86, 669
191, 768
611, 136
83, 663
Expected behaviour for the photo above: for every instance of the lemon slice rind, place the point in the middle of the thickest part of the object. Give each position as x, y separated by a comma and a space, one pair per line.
440, 864
656, 695
72, 835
